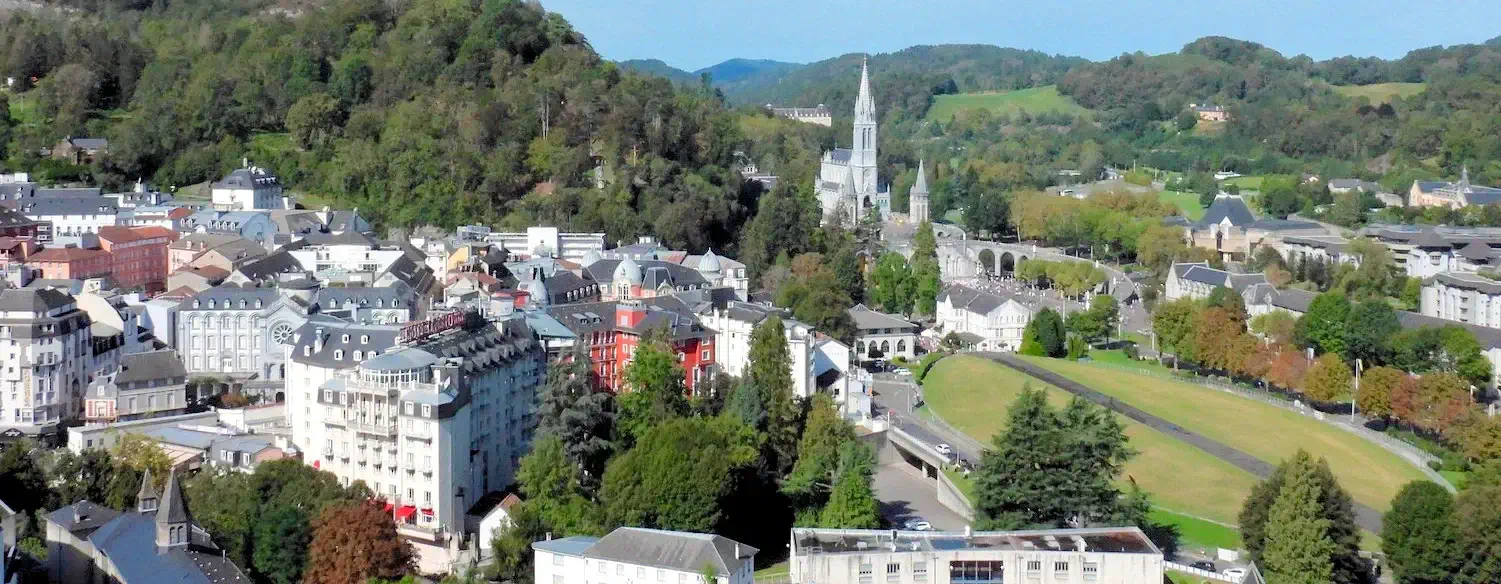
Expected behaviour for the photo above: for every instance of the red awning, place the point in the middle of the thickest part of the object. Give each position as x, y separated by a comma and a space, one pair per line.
405, 512
427, 510
316, 464
388, 507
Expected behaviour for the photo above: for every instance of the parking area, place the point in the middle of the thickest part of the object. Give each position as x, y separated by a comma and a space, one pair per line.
905, 494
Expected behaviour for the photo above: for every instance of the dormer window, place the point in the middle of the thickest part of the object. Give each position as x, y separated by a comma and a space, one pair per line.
358, 356
344, 338
364, 339
338, 354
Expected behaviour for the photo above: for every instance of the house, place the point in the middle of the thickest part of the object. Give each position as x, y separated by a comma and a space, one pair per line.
1329, 249
146, 385
158, 541
631, 555
1452, 194
255, 226
80, 150
882, 336
138, 255
1462, 297
613, 330
733, 326
1114, 555
68, 219
251, 188
14, 224
1209, 113
1354, 185
71, 263
190, 247
540, 241
194, 447
628, 279
1231, 229
1198, 280
491, 516
982, 320
819, 115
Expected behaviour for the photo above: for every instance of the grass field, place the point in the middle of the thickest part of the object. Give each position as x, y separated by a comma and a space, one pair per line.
1371, 474
1033, 101
973, 394
1246, 183
1187, 203
1381, 92
1195, 532
23, 108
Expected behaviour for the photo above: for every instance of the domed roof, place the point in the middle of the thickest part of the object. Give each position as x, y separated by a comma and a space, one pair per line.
590, 257
709, 263
628, 271
536, 289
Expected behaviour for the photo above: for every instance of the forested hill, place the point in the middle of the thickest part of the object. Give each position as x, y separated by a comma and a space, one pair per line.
729, 76
424, 111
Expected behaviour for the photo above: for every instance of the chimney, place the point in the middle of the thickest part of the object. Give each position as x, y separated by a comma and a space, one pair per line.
318, 340
548, 536
737, 550
245, 162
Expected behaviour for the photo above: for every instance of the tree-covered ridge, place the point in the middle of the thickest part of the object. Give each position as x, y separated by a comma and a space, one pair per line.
433, 111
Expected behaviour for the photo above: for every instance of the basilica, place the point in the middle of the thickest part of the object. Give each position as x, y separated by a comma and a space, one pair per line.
847, 181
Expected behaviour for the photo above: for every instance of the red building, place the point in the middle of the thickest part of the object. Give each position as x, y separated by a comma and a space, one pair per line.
138, 255
613, 331
70, 263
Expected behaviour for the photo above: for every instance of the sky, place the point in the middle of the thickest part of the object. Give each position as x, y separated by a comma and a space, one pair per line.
692, 34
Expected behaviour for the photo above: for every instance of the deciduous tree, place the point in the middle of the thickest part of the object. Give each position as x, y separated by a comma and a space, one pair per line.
354, 542
1323, 327
1328, 379
553, 488
1418, 535
1377, 384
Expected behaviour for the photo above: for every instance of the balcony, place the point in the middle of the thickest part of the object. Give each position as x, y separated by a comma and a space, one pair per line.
419, 433
427, 470
376, 429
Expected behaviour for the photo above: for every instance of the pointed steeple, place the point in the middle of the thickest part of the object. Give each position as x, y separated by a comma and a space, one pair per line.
146, 499
865, 106
173, 522
921, 186
847, 186
1464, 178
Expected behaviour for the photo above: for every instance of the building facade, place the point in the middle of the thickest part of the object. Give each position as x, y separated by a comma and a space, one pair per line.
248, 189
733, 326
848, 182
1462, 297
882, 336
71, 263
138, 255
983, 320
1198, 280
145, 385
612, 331
48, 362
430, 416
1122, 555
1452, 194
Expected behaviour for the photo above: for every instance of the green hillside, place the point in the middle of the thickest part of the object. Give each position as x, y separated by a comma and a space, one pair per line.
1032, 101
1381, 92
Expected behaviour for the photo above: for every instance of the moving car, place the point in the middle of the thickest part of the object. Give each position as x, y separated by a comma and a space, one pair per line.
917, 525
944, 449
1235, 574
1205, 565
903, 372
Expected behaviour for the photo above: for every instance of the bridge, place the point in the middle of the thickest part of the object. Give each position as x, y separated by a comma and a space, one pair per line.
962, 258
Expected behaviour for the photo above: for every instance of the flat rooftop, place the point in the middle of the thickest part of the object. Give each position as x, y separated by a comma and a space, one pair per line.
1125, 540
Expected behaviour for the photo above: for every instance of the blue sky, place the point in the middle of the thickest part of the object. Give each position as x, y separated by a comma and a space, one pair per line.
691, 34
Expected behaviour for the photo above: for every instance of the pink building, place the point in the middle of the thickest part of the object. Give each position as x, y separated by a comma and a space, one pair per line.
71, 263
139, 255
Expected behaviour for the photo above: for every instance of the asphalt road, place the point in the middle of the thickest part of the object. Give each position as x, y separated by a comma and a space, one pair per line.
904, 493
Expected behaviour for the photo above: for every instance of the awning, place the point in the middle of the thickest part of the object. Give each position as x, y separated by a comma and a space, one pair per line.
428, 511
405, 512
388, 507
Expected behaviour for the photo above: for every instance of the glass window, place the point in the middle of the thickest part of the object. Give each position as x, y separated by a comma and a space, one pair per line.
557, 559
893, 571
1060, 566
1091, 570
920, 571
619, 569
1034, 565
640, 572
661, 575
602, 567
986, 571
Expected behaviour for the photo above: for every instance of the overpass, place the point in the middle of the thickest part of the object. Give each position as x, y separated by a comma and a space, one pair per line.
963, 258
910, 482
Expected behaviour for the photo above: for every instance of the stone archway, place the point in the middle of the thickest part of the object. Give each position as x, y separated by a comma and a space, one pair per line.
1006, 263
987, 261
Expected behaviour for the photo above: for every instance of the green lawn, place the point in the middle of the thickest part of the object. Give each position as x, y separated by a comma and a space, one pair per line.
1195, 532
1187, 203
1455, 477
24, 109
973, 394
1381, 92
1371, 474
1033, 101
777, 569
1246, 183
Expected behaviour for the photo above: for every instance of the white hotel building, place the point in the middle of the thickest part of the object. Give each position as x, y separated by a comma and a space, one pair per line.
430, 416
45, 344
1114, 555
634, 555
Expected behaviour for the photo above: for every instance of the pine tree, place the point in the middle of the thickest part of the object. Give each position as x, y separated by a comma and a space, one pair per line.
852, 504
818, 453
1419, 537
771, 371
1298, 546
571, 409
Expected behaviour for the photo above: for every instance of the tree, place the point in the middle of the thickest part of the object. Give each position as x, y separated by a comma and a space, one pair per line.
1336, 508
770, 370
818, 452
745, 406
552, 486
21, 478
1347, 210
512, 547
1049, 468
1229, 300
282, 533
1173, 323
1377, 384
1323, 326
1478, 524
1436, 401
1328, 379
892, 283
354, 542
1186, 120
313, 120
87, 476
1278, 326
1287, 368
1047, 332
1368, 332
1218, 339
852, 503
227, 505
1418, 535
1298, 545
1097, 323
656, 391
925, 271
678, 474
1279, 197
571, 409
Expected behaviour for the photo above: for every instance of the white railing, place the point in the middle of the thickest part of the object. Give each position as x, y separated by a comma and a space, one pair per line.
1176, 567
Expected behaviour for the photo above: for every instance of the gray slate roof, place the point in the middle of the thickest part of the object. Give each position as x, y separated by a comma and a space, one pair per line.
270, 266
1228, 206
377, 338
150, 366
32, 300
674, 550
971, 299
673, 274
1466, 281
841, 155
867, 319
52, 207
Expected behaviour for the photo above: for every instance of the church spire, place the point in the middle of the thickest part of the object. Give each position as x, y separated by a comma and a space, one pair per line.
865, 106
921, 186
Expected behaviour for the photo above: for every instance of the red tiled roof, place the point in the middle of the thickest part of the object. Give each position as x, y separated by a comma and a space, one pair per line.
150, 231
118, 234
66, 254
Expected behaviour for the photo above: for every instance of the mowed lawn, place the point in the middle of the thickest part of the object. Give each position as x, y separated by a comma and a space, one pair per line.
1034, 100
1187, 203
1381, 92
973, 394
1371, 474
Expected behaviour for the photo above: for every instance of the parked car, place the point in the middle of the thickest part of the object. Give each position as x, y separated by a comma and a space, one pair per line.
1235, 574
917, 525
903, 372
1205, 565
944, 449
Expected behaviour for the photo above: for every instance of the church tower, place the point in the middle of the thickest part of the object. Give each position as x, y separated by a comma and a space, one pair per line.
917, 199
863, 154
173, 523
